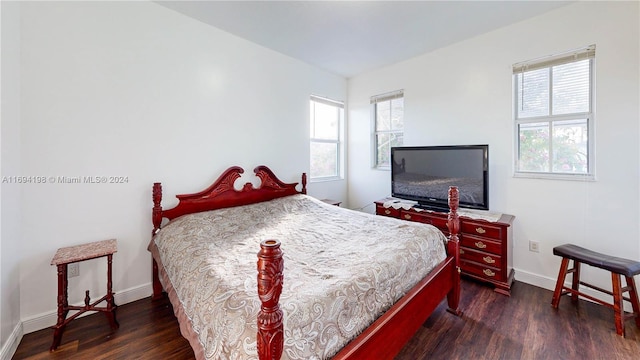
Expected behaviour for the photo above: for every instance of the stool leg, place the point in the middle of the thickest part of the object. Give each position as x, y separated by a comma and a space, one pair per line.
617, 303
575, 281
633, 296
559, 284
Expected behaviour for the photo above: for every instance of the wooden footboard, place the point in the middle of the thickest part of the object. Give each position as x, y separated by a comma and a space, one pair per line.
389, 333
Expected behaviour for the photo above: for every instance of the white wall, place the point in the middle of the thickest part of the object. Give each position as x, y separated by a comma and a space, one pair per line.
135, 89
10, 237
462, 94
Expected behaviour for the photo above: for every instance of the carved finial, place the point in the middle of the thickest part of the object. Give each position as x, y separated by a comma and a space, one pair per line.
247, 186
270, 338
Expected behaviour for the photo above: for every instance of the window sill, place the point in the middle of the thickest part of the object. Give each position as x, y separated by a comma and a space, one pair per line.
549, 176
326, 179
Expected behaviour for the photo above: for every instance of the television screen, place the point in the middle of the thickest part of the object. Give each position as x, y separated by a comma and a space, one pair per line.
424, 174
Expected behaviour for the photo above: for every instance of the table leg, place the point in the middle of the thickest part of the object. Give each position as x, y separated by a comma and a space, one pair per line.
63, 303
111, 306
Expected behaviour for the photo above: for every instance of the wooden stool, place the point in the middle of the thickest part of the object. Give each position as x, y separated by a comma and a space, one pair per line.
617, 266
68, 255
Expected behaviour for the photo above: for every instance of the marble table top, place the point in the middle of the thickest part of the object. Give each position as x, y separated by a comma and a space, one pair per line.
87, 251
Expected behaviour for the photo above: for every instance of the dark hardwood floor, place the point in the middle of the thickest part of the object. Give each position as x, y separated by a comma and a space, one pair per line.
493, 326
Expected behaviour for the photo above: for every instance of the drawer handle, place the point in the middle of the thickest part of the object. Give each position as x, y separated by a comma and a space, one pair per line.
461, 251
488, 260
480, 245
387, 212
480, 230
488, 272
407, 216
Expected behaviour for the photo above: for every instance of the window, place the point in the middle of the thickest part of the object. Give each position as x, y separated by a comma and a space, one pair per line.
388, 110
326, 127
554, 116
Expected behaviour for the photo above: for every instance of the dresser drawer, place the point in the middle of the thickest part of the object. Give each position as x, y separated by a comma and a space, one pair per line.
381, 210
483, 271
425, 218
481, 257
481, 229
483, 244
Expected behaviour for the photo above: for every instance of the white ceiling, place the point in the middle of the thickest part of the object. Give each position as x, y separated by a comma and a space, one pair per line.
352, 37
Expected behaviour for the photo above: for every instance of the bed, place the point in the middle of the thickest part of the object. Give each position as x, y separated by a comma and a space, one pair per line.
329, 282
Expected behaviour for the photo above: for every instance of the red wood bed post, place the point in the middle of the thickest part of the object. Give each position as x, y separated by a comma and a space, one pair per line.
270, 337
304, 184
156, 217
453, 247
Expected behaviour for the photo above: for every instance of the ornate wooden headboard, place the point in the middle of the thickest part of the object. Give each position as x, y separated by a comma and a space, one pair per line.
222, 194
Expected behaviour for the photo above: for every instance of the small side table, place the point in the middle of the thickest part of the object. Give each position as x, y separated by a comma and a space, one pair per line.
67, 255
332, 202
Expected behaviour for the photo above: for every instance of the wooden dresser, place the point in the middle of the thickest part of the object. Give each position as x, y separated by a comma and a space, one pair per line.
485, 247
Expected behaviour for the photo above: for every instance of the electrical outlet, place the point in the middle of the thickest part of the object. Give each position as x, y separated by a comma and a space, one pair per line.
73, 269
534, 246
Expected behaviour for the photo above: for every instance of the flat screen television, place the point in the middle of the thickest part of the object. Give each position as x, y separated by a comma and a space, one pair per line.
424, 174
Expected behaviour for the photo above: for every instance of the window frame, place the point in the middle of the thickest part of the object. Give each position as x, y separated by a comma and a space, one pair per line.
375, 100
587, 53
339, 105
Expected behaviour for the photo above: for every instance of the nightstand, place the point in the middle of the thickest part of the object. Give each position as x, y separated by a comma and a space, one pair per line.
332, 202
67, 255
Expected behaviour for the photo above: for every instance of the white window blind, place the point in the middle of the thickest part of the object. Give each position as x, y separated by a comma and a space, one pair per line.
553, 110
329, 102
387, 96
588, 52
388, 110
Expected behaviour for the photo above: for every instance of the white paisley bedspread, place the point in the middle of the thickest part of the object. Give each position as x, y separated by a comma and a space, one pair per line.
342, 270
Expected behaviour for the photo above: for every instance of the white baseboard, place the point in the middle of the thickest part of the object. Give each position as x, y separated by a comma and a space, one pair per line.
535, 280
9, 348
49, 319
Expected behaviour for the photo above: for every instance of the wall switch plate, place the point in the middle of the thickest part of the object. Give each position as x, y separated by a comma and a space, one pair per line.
73, 269
534, 246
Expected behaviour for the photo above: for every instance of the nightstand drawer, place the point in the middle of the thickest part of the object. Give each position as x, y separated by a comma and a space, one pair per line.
481, 229
483, 271
381, 210
483, 244
481, 257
